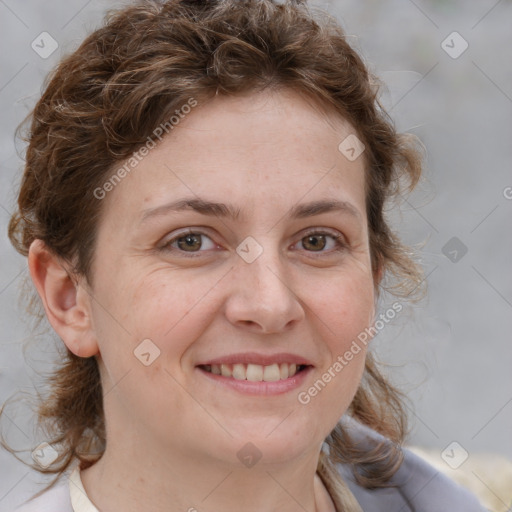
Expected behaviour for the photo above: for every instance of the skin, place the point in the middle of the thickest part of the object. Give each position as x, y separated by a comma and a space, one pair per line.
173, 434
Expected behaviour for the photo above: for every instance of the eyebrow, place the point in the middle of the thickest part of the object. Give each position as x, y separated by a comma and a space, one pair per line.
223, 210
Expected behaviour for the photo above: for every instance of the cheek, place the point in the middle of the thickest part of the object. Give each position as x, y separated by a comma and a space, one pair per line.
167, 309
345, 303
345, 311
132, 306
144, 328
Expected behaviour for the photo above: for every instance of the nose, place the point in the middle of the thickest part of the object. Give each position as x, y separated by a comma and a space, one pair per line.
263, 298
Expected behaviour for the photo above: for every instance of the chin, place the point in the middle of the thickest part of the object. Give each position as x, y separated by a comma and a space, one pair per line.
274, 442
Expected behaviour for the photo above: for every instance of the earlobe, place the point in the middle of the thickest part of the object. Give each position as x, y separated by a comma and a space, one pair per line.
66, 303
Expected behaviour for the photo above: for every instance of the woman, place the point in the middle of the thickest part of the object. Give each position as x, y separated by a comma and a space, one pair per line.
202, 211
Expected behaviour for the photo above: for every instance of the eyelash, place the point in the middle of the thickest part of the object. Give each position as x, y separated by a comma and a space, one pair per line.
339, 239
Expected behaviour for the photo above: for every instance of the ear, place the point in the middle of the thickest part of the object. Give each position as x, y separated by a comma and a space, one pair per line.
66, 303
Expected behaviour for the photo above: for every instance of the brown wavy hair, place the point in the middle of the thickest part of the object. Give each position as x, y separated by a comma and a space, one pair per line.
102, 102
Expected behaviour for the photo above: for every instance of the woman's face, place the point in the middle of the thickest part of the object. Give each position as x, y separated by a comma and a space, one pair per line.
255, 275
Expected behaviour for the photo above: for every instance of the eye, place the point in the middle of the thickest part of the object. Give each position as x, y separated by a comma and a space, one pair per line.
317, 241
193, 242
189, 242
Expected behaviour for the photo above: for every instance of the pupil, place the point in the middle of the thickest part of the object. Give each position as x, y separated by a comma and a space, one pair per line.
314, 241
191, 241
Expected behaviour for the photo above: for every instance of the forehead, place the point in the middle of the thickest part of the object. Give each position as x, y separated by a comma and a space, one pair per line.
273, 146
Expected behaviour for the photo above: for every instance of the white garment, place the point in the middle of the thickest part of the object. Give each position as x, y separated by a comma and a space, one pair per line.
79, 499
68, 496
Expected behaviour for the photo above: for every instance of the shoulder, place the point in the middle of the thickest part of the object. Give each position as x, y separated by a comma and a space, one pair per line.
415, 487
56, 499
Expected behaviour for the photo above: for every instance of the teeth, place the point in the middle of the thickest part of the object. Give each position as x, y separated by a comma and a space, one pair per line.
225, 370
239, 371
271, 373
254, 372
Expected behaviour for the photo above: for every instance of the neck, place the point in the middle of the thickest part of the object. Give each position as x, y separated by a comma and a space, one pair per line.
177, 483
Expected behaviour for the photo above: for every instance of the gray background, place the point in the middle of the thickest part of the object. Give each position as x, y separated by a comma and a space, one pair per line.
452, 352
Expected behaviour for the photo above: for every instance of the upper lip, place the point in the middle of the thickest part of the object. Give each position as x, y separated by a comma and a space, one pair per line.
255, 358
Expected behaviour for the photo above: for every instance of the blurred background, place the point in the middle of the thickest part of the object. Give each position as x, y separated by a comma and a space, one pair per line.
447, 66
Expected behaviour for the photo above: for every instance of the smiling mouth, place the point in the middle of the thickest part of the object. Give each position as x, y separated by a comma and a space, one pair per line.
255, 372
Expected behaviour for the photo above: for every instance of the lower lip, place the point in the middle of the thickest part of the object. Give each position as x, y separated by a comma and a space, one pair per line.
248, 387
